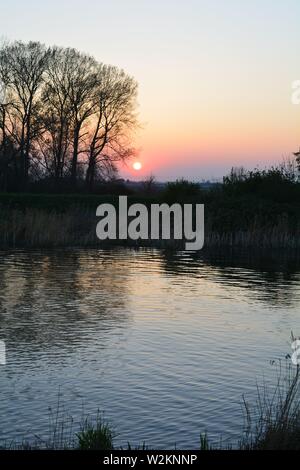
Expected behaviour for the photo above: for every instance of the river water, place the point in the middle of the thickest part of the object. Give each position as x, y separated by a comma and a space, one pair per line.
165, 344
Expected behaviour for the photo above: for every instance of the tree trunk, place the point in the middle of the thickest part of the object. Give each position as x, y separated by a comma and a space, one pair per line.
75, 156
90, 174
27, 144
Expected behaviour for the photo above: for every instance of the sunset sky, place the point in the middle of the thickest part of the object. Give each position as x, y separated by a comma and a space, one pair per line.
214, 76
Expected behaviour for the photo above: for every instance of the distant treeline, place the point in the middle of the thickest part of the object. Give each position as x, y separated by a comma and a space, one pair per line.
258, 209
65, 119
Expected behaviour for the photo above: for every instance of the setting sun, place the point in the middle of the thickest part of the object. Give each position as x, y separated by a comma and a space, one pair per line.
137, 166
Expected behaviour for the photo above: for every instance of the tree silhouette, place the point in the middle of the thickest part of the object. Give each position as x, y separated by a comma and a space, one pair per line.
63, 115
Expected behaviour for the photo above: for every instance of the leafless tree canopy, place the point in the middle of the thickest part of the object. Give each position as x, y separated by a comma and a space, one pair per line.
63, 115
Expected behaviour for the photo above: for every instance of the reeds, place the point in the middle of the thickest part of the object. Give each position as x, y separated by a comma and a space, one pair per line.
76, 226
65, 433
274, 422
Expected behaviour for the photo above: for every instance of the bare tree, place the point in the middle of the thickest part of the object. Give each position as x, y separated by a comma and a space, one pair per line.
81, 81
23, 66
55, 140
297, 155
114, 119
8, 152
64, 113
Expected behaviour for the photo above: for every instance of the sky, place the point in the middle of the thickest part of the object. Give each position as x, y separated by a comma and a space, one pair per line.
215, 77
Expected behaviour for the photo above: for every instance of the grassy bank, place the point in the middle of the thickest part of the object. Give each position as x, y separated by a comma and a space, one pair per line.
33, 220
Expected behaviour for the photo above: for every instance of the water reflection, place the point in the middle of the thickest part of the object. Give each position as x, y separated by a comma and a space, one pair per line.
47, 297
163, 342
272, 279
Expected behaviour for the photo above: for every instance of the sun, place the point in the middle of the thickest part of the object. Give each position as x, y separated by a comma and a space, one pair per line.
137, 166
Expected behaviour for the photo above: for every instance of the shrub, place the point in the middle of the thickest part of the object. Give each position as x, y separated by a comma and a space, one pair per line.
182, 190
277, 183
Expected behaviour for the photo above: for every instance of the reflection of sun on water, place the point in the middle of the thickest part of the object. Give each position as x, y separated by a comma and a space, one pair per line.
137, 166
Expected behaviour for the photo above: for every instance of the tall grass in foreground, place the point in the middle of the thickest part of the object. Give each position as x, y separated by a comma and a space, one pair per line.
65, 434
95, 436
274, 422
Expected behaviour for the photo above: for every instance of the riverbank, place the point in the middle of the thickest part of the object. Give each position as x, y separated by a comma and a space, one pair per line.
42, 220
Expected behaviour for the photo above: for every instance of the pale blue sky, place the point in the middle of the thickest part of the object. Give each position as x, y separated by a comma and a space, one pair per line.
214, 75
